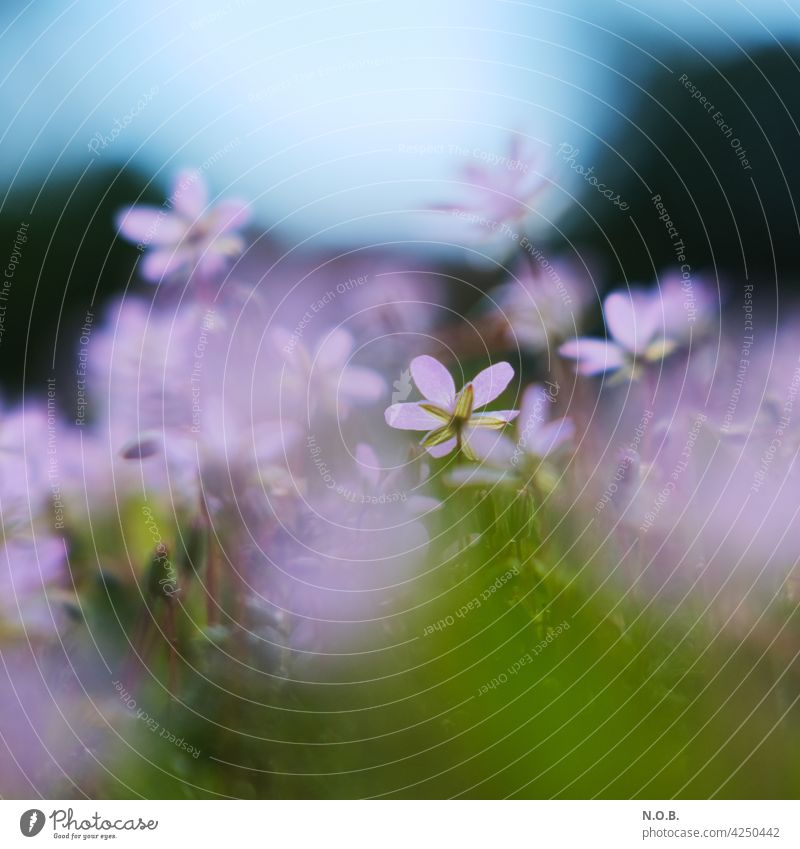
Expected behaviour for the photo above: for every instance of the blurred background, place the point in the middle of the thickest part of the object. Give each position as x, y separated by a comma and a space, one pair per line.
658, 136
343, 122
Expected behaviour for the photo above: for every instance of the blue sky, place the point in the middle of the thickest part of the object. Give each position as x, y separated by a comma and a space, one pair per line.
312, 109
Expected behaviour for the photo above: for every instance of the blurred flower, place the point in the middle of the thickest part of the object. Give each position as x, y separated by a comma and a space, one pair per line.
48, 725
326, 380
186, 234
450, 417
542, 305
342, 557
377, 487
499, 189
32, 552
540, 437
175, 389
644, 326
688, 305
514, 462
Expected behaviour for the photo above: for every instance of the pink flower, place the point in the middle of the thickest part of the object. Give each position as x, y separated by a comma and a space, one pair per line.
542, 304
32, 552
643, 327
540, 437
499, 188
186, 234
326, 380
450, 418
510, 462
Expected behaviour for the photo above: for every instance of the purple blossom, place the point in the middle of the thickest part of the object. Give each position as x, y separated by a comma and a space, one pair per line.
450, 418
539, 436
644, 326
32, 553
193, 394
326, 379
499, 192
186, 234
538, 439
374, 484
540, 305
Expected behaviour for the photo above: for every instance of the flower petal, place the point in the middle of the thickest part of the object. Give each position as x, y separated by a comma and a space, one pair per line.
150, 226
490, 383
593, 355
632, 319
189, 194
369, 467
163, 262
550, 437
489, 446
443, 449
434, 381
334, 349
361, 384
227, 215
533, 409
410, 416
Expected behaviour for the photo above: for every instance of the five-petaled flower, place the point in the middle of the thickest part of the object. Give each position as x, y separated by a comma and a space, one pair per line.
187, 234
450, 417
499, 190
640, 325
